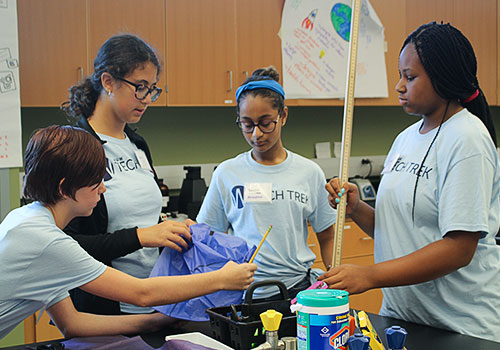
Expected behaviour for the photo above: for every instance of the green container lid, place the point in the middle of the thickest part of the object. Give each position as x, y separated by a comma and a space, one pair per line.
323, 297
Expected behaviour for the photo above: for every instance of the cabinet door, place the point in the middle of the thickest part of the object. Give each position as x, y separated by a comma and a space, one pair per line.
356, 242
258, 44
40, 331
476, 20
357, 249
391, 14
201, 52
52, 49
44, 330
110, 17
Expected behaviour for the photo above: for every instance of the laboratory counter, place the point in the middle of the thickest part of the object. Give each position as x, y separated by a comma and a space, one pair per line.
419, 336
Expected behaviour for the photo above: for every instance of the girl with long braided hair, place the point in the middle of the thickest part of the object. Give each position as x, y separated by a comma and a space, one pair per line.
437, 209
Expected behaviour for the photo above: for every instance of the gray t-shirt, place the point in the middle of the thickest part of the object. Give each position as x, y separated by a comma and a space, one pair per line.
133, 198
39, 264
458, 189
297, 195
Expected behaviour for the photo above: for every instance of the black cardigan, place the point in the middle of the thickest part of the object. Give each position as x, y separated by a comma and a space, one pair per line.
91, 233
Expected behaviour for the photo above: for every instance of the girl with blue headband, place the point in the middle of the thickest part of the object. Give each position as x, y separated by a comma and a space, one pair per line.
270, 185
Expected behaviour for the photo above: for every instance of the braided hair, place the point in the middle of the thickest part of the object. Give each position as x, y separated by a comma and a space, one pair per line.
268, 73
449, 60
119, 55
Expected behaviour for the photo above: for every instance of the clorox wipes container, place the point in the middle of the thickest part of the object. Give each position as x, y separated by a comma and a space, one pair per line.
322, 319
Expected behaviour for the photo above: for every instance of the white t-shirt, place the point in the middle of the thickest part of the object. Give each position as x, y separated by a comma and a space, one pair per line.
39, 263
298, 195
132, 199
458, 189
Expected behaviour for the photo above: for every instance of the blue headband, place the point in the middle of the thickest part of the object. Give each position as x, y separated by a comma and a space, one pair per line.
261, 84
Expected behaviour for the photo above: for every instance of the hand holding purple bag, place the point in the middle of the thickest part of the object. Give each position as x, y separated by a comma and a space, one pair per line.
209, 251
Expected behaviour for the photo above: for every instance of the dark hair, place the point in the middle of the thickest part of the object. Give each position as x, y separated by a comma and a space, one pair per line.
449, 60
59, 153
267, 73
118, 56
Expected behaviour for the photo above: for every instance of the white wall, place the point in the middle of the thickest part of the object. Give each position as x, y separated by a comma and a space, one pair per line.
173, 175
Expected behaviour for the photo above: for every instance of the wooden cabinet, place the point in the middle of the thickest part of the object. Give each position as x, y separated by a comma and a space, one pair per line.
357, 249
213, 45
52, 49
201, 44
258, 45
477, 20
208, 47
40, 331
59, 39
110, 17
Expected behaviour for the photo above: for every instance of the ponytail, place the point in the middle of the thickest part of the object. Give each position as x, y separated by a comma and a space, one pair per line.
82, 100
480, 108
118, 56
449, 61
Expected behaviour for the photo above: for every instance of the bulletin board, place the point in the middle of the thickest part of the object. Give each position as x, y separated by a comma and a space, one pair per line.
315, 49
10, 101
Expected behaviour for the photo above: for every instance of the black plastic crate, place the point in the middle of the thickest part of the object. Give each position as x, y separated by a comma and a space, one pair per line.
240, 327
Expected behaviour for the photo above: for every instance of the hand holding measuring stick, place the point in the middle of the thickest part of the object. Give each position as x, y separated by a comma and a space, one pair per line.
260, 244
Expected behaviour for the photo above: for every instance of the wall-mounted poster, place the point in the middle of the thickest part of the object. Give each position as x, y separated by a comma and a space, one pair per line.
315, 38
10, 101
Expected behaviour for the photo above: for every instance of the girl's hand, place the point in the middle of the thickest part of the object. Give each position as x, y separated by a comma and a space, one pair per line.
158, 321
336, 191
353, 278
168, 233
237, 276
189, 222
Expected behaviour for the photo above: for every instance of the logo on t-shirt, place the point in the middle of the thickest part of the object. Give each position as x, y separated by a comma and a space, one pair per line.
412, 168
119, 165
107, 176
237, 195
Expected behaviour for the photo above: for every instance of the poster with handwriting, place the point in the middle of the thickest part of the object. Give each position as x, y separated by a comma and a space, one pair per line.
315, 38
10, 101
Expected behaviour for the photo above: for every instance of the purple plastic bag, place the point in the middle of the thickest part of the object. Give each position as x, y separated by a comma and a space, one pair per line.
107, 343
209, 251
122, 342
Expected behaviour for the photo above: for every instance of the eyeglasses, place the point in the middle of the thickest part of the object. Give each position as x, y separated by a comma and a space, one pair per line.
248, 126
142, 91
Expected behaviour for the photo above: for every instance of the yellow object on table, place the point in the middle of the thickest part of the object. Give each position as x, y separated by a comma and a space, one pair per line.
271, 320
364, 324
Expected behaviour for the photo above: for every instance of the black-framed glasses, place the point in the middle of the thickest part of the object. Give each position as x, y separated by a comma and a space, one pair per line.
142, 91
248, 126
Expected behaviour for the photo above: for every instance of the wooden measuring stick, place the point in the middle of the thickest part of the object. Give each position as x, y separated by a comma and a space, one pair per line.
347, 130
260, 244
